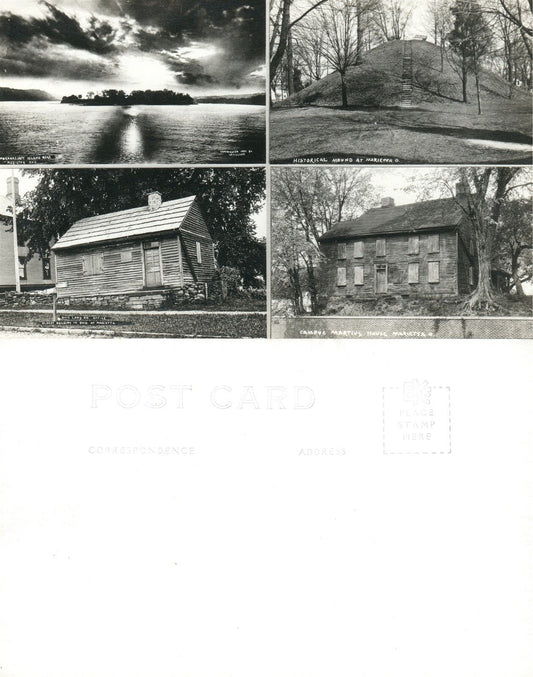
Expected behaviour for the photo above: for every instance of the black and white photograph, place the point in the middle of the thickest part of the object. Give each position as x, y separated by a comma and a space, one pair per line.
400, 82
140, 253
410, 252
129, 82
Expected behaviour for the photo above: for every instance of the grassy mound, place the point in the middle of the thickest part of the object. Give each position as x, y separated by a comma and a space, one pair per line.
377, 82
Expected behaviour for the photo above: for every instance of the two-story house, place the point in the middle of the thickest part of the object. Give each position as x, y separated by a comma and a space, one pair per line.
36, 272
423, 248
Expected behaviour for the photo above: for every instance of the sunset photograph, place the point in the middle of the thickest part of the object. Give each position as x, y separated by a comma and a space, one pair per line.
105, 81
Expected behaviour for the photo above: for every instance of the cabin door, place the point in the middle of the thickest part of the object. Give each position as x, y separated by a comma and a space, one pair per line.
152, 265
381, 279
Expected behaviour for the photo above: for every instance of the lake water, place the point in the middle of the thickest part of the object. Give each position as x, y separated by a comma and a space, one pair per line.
205, 133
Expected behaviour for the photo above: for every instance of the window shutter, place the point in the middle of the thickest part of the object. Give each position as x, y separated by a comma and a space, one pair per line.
198, 252
358, 249
100, 262
341, 277
358, 275
433, 243
84, 265
381, 247
341, 250
433, 271
414, 244
413, 271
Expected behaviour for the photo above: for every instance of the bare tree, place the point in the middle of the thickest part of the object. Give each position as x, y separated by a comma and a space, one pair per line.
439, 19
308, 202
391, 18
281, 25
340, 47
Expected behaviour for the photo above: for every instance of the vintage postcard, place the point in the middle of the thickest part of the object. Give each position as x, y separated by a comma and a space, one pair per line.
400, 82
402, 252
101, 81
175, 510
133, 252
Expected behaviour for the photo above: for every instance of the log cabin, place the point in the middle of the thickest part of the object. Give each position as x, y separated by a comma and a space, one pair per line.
138, 252
420, 249
36, 272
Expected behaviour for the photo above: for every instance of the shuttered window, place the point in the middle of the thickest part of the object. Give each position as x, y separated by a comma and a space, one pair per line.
93, 264
413, 270
433, 271
358, 275
414, 245
433, 243
341, 250
126, 257
381, 247
341, 277
358, 249
471, 275
198, 252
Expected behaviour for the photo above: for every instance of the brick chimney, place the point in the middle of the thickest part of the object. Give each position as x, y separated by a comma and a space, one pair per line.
387, 202
12, 187
154, 201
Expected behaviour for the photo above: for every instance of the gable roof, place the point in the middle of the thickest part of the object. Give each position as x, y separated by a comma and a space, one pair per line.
414, 217
126, 223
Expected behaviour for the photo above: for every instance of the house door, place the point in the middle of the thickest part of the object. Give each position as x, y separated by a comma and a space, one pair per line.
381, 279
152, 265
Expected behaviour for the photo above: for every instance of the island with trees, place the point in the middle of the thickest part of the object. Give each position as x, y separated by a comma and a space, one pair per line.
117, 97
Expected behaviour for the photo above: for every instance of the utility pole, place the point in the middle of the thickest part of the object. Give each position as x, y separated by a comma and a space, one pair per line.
15, 238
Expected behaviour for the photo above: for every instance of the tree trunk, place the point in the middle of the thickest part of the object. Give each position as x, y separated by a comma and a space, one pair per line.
516, 276
477, 92
313, 286
344, 92
464, 76
482, 298
297, 298
290, 65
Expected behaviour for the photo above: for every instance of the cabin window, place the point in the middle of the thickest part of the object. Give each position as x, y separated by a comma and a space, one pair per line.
341, 250
471, 275
381, 247
433, 243
413, 246
358, 249
47, 269
341, 277
198, 252
413, 270
358, 275
22, 268
433, 271
126, 257
93, 264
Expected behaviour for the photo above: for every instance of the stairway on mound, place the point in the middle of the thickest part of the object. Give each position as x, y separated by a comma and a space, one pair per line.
406, 98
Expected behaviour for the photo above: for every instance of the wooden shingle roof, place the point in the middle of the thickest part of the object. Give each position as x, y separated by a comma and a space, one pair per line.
414, 217
126, 223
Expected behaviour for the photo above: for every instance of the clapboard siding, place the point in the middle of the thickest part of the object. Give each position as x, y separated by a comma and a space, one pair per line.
171, 268
397, 259
203, 271
194, 223
117, 277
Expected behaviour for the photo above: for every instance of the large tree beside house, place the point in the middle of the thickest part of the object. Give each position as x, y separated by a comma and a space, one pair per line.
489, 192
228, 198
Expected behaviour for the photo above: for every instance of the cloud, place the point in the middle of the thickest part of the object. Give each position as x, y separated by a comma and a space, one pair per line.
58, 28
58, 63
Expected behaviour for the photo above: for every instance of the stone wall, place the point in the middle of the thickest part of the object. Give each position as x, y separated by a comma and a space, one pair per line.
11, 299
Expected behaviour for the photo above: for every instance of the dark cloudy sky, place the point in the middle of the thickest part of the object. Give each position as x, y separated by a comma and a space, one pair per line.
72, 47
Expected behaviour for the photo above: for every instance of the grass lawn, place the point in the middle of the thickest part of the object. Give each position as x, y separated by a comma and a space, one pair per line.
438, 129
197, 325
510, 306
407, 135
